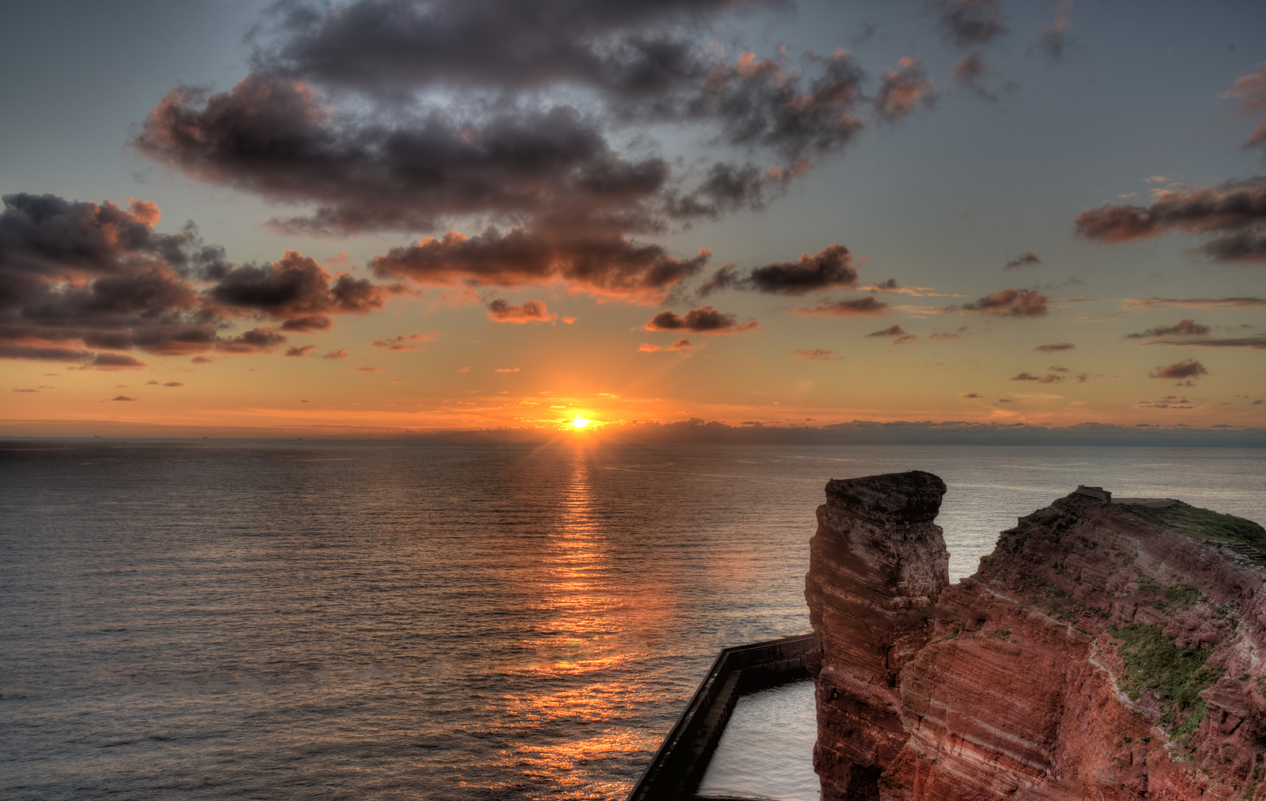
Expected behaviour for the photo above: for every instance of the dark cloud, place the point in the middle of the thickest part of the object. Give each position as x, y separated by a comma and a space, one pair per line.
1049, 378
1198, 303
868, 305
600, 265
1184, 369
901, 90
376, 115
1057, 368
621, 47
257, 340
300, 352
173, 384
307, 323
702, 320
1055, 38
1057, 346
1254, 342
404, 342
818, 355
298, 290
891, 331
969, 23
276, 139
532, 311
123, 398
1232, 216
1024, 260
340, 353
1180, 328
1008, 303
971, 71
830, 269
77, 278
681, 344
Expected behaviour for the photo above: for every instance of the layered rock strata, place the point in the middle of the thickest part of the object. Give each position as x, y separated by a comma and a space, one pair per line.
1103, 651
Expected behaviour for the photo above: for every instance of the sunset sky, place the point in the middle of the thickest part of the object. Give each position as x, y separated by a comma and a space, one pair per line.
245, 218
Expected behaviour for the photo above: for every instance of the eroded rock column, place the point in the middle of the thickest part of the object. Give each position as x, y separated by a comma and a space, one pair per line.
878, 564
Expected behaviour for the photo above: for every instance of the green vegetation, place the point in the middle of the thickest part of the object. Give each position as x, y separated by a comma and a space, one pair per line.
1178, 597
1173, 674
1204, 524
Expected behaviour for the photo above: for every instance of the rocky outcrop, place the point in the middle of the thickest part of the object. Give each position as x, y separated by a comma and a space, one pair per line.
1105, 650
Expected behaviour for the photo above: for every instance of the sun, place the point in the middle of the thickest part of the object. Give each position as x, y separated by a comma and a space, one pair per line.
580, 422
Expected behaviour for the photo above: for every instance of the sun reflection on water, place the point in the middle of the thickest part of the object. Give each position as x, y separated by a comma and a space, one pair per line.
581, 658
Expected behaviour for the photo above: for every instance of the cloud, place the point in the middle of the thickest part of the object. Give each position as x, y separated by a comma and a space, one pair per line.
1057, 346
257, 340
298, 290
1250, 90
890, 331
905, 339
901, 90
506, 370
1008, 303
276, 134
77, 278
970, 395
1184, 369
817, 355
532, 311
1182, 327
173, 384
1257, 342
308, 323
609, 266
1024, 260
971, 71
1167, 402
868, 305
405, 341
369, 369
969, 23
702, 320
681, 344
1231, 216
829, 269
1198, 303
1049, 378
1054, 41
123, 398
340, 353
300, 352
26, 390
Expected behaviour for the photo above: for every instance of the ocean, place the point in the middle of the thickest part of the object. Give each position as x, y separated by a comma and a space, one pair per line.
393, 620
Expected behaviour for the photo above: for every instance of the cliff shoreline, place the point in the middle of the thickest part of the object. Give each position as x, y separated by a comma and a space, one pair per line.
1104, 650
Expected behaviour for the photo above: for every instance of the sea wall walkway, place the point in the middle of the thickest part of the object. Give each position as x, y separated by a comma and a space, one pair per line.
681, 761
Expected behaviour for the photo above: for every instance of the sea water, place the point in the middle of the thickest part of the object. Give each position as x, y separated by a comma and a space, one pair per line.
396, 620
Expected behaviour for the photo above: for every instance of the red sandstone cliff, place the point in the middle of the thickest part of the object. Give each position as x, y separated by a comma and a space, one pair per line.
1104, 651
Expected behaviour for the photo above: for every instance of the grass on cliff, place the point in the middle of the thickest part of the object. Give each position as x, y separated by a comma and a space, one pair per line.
1174, 674
1204, 524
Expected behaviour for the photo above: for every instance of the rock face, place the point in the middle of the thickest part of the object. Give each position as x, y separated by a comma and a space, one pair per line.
1105, 650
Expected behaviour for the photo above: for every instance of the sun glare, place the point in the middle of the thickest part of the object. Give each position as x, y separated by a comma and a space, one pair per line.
580, 422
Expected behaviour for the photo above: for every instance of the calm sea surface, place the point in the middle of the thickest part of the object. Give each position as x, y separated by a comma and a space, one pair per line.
390, 620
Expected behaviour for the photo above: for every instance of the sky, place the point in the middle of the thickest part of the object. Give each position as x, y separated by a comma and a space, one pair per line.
233, 218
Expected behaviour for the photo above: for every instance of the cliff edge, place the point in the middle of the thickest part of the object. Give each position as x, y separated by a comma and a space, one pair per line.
1104, 650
